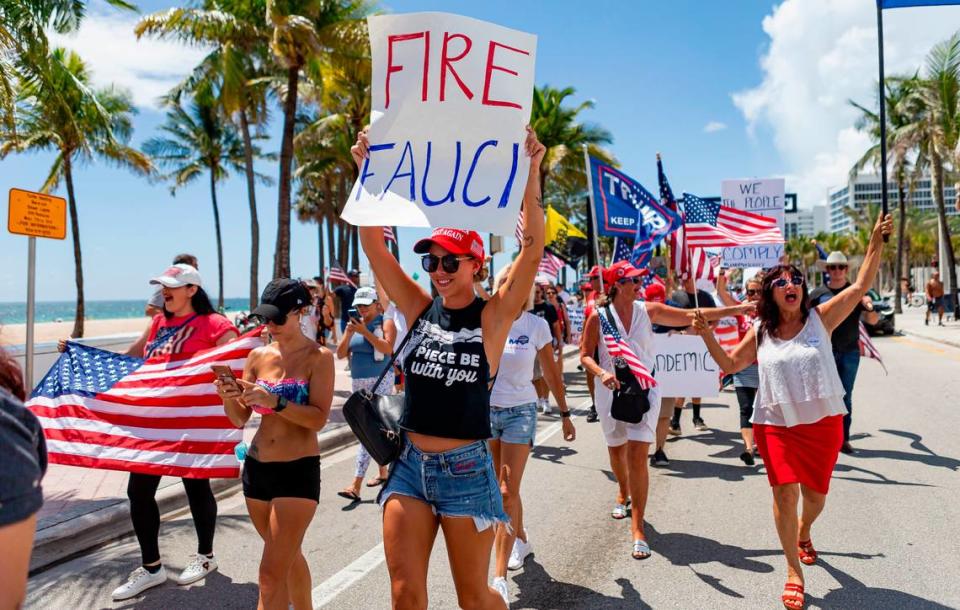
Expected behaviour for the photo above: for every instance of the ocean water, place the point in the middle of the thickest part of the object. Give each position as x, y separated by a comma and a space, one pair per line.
52, 311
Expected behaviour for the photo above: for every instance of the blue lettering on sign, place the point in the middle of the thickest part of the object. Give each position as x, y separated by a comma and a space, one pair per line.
405, 170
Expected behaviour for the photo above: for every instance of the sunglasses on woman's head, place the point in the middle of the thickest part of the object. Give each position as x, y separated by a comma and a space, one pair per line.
449, 262
836, 267
780, 282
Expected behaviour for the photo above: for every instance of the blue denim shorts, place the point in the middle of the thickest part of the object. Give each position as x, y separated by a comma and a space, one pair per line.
455, 483
514, 424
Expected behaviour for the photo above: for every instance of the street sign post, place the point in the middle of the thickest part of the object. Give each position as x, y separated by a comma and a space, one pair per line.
35, 215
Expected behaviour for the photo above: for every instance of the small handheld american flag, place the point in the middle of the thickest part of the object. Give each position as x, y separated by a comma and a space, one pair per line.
338, 274
619, 348
867, 348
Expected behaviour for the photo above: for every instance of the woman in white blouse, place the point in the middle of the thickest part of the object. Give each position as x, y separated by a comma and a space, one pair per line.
798, 414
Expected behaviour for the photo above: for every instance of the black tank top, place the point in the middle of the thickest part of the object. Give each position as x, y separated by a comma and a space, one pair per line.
447, 374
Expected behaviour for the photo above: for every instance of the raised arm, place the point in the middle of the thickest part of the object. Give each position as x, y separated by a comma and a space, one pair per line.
665, 315
724, 293
834, 311
742, 356
408, 295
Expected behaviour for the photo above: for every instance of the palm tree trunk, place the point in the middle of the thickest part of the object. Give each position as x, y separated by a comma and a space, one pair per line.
320, 257
252, 201
77, 255
216, 227
331, 239
281, 258
937, 165
354, 247
901, 234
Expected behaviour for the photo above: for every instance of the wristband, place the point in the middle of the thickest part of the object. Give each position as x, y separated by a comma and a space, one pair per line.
565, 414
281, 404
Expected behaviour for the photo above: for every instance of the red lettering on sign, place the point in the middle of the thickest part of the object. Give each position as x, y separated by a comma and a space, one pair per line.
491, 50
446, 63
392, 68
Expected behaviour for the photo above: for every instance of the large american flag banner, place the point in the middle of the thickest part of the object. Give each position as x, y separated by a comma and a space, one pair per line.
711, 225
619, 348
100, 409
868, 349
686, 261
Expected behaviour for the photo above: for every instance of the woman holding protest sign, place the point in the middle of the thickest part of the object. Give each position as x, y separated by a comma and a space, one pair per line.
624, 336
513, 419
444, 477
798, 414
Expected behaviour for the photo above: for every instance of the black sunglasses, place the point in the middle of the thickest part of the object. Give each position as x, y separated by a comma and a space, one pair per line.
796, 280
450, 262
752, 292
836, 267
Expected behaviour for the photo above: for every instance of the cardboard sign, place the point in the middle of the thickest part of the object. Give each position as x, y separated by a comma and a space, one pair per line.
762, 196
575, 314
451, 97
684, 367
37, 214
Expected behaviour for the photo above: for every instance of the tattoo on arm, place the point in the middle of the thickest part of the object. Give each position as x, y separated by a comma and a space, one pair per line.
527, 241
540, 201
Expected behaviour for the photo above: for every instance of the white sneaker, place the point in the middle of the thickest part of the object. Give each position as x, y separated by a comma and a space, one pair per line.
198, 568
547, 409
500, 585
520, 551
139, 581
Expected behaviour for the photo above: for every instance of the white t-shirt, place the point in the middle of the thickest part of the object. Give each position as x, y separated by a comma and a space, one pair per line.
393, 313
514, 384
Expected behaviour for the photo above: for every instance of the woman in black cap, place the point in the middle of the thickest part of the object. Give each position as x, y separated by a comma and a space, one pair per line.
290, 383
444, 477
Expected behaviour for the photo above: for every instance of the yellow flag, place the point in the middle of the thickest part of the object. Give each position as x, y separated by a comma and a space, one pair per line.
563, 238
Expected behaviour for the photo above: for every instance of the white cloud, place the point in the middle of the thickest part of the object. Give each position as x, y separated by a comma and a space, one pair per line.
821, 54
714, 126
147, 68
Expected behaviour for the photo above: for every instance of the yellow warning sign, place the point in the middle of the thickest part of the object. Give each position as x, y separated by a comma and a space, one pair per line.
37, 215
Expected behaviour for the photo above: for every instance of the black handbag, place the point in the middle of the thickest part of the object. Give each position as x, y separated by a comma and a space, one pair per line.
375, 419
630, 401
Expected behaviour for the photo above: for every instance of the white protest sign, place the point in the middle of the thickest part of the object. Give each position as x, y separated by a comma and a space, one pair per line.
760, 196
684, 367
575, 314
451, 96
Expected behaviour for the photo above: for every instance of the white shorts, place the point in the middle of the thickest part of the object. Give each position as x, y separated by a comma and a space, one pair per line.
616, 432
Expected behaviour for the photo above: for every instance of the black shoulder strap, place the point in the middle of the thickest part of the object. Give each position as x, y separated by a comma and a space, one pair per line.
403, 343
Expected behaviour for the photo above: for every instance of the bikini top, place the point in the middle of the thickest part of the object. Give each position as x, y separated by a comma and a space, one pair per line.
294, 390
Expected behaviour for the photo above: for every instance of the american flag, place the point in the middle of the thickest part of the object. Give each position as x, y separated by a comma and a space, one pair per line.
550, 265
649, 279
389, 235
727, 332
622, 249
518, 232
337, 273
100, 409
867, 348
712, 225
685, 261
619, 348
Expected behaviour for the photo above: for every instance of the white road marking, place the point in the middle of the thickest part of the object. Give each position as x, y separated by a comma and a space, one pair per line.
328, 590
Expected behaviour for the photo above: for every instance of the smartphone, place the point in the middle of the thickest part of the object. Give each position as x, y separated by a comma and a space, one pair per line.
353, 313
224, 373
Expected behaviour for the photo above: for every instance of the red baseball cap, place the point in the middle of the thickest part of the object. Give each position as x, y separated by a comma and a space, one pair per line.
595, 272
618, 271
656, 293
454, 241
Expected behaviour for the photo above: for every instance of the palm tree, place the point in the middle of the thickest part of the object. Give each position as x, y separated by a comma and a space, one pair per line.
197, 140
899, 91
936, 132
302, 30
60, 112
238, 32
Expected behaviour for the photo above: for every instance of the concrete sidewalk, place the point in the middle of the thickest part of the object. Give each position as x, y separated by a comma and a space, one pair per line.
910, 322
84, 507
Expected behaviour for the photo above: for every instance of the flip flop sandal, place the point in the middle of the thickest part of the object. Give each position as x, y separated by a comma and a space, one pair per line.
619, 511
808, 554
377, 482
792, 596
349, 494
641, 550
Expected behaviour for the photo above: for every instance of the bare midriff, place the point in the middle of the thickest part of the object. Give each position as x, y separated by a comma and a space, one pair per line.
435, 444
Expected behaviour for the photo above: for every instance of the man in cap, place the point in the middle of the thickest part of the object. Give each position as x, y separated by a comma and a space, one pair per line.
846, 337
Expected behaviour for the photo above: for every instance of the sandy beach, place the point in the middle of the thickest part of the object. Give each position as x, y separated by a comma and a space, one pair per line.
16, 334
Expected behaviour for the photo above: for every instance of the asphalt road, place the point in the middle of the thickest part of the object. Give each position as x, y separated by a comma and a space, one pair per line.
887, 539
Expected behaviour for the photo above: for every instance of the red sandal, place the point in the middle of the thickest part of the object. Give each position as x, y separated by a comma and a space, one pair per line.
808, 554
792, 596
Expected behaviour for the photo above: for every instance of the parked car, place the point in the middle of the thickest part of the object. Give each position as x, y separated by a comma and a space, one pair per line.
886, 325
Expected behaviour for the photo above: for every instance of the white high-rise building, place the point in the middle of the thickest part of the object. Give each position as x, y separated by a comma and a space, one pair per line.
804, 222
865, 189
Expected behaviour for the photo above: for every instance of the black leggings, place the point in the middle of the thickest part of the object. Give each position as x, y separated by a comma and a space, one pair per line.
746, 396
145, 514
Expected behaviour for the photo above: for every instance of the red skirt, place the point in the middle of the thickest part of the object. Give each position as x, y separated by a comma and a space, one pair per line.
803, 454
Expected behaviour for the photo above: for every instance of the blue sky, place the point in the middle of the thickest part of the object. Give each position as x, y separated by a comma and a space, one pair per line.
722, 89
